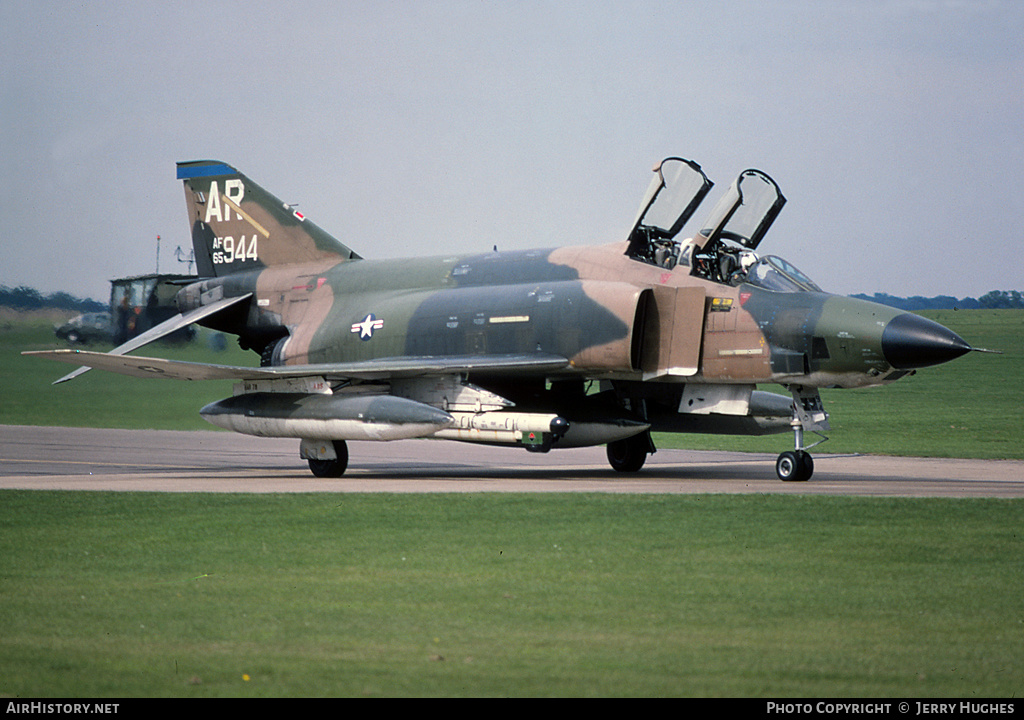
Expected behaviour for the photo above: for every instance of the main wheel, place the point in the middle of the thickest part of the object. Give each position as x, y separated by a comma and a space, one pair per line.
794, 466
331, 468
630, 454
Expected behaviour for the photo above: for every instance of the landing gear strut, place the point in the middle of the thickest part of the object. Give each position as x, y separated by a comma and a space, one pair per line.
797, 465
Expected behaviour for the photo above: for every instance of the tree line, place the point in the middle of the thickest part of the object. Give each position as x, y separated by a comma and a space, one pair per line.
1002, 299
996, 299
26, 298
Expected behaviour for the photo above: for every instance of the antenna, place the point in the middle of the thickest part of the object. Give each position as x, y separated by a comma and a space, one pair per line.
179, 254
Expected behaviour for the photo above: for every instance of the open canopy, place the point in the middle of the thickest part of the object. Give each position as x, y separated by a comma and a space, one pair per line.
745, 212
675, 192
677, 189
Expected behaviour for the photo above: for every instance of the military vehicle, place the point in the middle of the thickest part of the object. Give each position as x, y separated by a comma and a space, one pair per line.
536, 349
137, 304
141, 302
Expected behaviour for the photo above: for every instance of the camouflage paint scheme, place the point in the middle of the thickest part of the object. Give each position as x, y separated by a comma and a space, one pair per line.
539, 348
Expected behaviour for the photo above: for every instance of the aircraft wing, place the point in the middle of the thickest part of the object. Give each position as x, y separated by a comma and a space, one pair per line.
379, 369
165, 328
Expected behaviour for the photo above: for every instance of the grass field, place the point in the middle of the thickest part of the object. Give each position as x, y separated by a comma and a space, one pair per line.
101, 399
197, 595
200, 595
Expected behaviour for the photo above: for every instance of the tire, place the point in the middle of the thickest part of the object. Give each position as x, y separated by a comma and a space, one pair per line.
808, 464
628, 455
794, 466
331, 468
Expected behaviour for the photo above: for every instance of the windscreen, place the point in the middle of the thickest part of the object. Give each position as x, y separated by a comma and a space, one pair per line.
773, 273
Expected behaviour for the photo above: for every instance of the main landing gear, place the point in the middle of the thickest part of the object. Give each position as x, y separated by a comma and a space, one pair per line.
797, 465
630, 454
327, 458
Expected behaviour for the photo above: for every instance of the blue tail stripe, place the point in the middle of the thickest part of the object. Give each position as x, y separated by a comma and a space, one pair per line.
191, 171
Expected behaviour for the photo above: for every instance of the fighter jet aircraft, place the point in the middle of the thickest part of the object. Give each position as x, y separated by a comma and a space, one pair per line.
535, 349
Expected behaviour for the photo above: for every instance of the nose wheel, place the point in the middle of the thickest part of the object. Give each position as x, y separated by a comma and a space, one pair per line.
794, 466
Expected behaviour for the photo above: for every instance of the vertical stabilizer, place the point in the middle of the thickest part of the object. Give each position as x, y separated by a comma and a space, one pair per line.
239, 226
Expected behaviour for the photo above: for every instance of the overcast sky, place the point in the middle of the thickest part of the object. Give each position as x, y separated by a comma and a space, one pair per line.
895, 128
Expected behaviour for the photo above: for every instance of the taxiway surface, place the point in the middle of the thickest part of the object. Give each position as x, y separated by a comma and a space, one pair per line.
51, 458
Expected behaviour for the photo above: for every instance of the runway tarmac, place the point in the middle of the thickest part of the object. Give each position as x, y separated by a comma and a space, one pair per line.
52, 458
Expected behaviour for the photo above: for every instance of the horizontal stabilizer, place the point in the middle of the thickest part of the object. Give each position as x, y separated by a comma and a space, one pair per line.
171, 325
380, 369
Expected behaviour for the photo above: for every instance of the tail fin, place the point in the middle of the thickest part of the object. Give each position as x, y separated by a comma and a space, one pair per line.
237, 225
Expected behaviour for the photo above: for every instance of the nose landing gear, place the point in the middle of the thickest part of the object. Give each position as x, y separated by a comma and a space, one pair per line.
809, 414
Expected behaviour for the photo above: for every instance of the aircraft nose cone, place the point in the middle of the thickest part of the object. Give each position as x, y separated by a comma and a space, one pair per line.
910, 341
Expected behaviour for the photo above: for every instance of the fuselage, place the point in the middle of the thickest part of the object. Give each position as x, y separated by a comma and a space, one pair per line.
610, 315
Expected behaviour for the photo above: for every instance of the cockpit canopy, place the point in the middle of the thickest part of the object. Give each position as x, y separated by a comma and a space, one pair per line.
678, 188
673, 195
745, 212
722, 251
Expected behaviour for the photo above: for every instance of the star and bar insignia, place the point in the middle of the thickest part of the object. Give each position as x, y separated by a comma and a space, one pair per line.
366, 327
